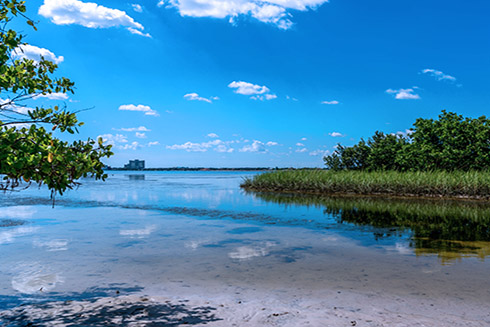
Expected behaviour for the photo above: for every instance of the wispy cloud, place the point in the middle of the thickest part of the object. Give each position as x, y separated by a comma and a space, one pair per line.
113, 139
217, 145
140, 135
438, 75
213, 135
88, 14
137, 7
275, 12
133, 129
138, 32
188, 146
54, 96
130, 146
264, 97
146, 109
319, 152
330, 102
336, 134
196, 97
404, 94
223, 148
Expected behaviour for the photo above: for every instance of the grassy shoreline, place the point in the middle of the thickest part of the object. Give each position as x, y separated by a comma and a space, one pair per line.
434, 184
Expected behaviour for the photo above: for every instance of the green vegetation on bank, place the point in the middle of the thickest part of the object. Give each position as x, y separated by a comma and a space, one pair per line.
471, 184
447, 157
451, 142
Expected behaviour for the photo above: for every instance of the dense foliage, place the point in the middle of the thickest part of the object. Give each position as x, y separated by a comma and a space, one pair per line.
29, 152
451, 142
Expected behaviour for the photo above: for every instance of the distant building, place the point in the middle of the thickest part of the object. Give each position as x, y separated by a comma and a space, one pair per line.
135, 165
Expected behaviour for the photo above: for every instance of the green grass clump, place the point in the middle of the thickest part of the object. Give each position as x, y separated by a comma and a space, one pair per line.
470, 184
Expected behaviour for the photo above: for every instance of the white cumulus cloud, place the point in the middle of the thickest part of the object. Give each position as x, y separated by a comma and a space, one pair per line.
257, 92
247, 88
271, 143
32, 52
88, 14
404, 94
276, 12
146, 109
336, 134
213, 135
256, 146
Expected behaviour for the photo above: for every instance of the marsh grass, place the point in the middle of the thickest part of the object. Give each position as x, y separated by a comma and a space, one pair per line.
455, 184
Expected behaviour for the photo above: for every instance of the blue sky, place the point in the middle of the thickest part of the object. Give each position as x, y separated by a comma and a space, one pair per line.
271, 83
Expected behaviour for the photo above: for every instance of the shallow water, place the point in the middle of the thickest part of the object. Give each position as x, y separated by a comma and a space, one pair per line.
174, 234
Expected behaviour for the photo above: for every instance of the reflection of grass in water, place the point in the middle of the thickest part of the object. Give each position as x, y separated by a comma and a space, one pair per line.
449, 251
452, 229
11, 222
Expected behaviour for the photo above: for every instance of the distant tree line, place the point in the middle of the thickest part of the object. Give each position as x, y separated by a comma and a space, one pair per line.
451, 142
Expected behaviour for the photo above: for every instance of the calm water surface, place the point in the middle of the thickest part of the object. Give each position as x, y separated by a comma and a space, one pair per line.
167, 232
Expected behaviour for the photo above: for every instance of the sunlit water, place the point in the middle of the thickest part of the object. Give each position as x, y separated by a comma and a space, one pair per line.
174, 233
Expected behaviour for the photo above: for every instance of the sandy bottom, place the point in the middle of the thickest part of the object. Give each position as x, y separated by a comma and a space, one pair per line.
108, 267
249, 309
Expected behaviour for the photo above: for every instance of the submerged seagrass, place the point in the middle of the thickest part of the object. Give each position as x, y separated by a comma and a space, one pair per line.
457, 184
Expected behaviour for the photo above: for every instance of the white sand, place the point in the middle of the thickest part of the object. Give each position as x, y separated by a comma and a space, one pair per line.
253, 308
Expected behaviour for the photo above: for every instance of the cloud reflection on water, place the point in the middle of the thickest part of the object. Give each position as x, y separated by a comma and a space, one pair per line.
9, 235
138, 233
23, 212
34, 278
52, 245
246, 252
